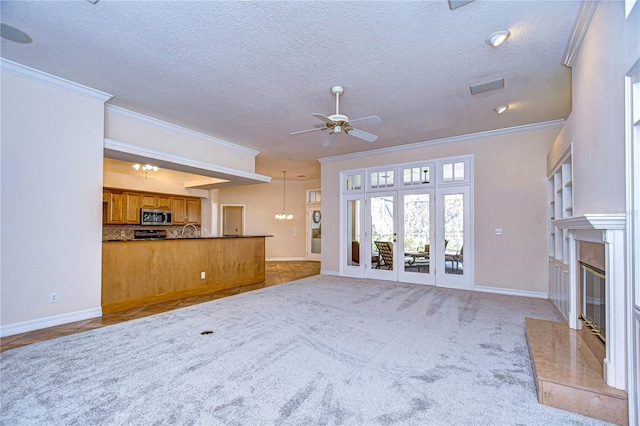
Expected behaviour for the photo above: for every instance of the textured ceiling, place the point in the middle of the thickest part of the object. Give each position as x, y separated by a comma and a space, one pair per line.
251, 72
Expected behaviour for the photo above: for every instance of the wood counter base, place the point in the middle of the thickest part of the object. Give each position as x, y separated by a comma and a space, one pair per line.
142, 273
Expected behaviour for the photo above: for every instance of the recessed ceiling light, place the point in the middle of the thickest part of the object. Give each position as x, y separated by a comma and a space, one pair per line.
497, 38
501, 109
13, 34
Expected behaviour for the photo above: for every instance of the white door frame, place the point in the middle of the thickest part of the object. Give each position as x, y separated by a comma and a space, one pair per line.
244, 216
312, 256
418, 277
370, 271
632, 126
443, 279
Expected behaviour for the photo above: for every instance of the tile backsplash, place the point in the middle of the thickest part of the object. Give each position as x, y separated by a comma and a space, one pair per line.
125, 232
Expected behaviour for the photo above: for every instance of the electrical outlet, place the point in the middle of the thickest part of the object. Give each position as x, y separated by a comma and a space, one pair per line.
53, 298
123, 233
202, 275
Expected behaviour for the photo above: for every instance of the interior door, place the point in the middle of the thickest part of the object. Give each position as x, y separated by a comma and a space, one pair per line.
381, 236
453, 230
416, 222
232, 220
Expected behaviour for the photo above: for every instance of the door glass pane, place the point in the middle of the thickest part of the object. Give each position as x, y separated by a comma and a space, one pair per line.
316, 230
447, 172
381, 231
454, 234
353, 250
416, 233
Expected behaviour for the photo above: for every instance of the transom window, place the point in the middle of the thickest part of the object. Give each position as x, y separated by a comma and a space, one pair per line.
419, 175
381, 179
453, 172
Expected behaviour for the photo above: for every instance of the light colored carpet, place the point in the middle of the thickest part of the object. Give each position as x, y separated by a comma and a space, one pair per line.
322, 350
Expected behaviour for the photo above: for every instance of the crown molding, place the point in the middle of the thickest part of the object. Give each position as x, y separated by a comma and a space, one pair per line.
173, 127
52, 80
217, 171
490, 133
583, 20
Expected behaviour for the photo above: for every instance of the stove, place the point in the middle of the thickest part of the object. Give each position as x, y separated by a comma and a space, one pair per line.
149, 234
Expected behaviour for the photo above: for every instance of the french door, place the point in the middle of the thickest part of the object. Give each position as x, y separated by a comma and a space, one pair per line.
402, 223
424, 230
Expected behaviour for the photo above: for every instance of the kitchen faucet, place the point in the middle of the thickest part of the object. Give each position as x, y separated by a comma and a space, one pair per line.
195, 229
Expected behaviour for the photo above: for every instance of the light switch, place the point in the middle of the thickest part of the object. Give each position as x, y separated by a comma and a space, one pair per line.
498, 231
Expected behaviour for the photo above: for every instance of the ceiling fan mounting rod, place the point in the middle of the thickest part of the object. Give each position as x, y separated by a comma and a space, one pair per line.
337, 90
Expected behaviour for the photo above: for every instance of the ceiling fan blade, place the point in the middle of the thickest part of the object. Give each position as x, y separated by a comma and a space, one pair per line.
308, 130
374, 119
329, 139
324, 118
369, 137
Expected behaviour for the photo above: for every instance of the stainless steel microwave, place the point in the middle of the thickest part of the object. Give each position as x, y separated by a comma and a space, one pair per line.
155, 217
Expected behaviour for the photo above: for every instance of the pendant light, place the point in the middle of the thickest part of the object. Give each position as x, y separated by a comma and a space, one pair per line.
284, 214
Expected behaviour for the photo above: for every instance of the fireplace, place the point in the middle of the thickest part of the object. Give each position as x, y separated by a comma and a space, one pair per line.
593, 306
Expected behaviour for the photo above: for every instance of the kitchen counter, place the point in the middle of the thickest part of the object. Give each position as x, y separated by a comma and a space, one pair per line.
155, 271
187, 238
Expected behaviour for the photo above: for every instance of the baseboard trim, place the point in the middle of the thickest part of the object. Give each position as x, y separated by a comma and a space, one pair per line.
512, 292
286, 259
26, 326
331, 273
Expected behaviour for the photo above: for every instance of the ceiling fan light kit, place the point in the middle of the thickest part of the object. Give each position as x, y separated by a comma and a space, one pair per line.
497, 38
340, 123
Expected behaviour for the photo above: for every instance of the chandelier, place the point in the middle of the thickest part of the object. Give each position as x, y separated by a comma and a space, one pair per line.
284, 214
145, 168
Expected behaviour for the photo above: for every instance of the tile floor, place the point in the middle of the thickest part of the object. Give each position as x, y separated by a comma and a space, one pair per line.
276, 273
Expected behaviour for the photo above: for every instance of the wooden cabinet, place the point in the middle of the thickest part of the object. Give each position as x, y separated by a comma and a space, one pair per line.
193, 210
179, 210
185, 210
153, 201
122, 208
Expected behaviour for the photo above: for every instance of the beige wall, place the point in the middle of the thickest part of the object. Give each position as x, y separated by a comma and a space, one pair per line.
150, 134
51, 211
596, 124
510, 193
261, 204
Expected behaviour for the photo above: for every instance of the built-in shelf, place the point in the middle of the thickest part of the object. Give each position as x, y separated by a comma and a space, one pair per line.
568, 209
568, 184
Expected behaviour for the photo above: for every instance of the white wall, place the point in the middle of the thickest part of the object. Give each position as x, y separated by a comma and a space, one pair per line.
510, 193
51, 210
262, 202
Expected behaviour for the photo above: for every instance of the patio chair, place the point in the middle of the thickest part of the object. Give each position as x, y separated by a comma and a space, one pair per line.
385, 253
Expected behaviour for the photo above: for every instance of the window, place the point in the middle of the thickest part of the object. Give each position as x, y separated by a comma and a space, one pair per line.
453, 172
416, 175
313, 196
353, 182
381, 179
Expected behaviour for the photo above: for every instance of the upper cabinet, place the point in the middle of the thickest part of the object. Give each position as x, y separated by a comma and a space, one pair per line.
122, 207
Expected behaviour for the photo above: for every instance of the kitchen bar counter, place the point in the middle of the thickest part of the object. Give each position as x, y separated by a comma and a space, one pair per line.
154, 271
186, 238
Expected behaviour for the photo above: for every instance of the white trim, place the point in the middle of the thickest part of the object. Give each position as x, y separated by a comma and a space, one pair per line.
463, 138
114, 145
330, 273
583, 20
287, 259
592, 221
511, 292
26, 326
52, 80
169, 126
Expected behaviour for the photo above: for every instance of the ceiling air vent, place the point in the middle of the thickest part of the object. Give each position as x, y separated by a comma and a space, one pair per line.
454, 4
487, 87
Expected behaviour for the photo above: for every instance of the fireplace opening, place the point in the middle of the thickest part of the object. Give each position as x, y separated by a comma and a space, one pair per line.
594, 302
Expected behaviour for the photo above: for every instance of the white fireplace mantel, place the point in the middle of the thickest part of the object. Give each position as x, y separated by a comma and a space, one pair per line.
607, 229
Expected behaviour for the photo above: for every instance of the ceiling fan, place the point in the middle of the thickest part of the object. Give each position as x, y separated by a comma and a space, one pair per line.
339, 123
